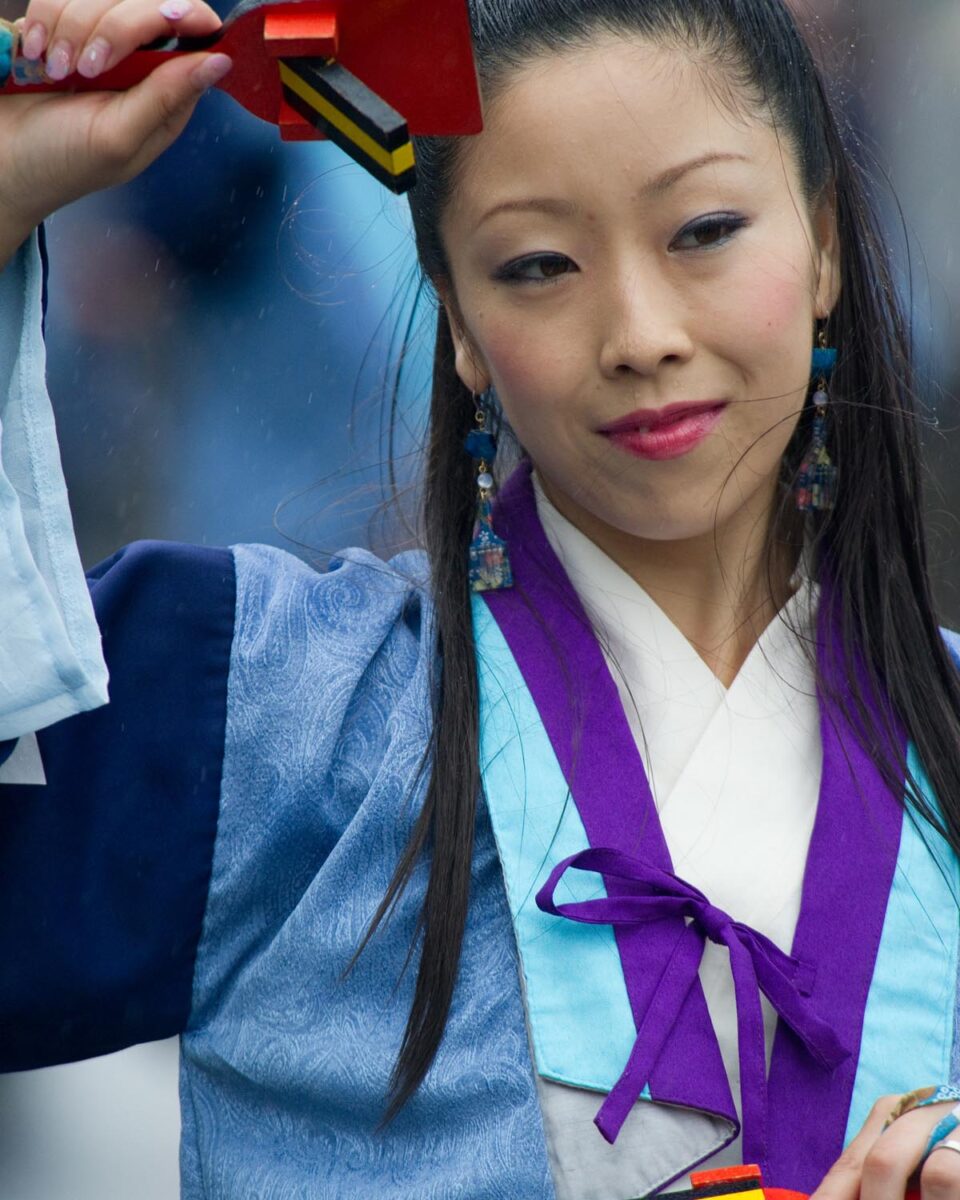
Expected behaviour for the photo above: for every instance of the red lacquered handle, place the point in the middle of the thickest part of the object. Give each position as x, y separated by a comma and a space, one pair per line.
126, 74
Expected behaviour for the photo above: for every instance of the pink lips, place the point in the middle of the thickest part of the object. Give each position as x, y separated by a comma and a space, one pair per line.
664, 433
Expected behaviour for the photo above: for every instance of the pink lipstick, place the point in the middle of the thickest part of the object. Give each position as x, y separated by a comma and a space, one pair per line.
663, 433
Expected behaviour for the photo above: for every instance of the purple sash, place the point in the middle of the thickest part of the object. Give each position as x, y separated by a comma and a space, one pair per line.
794, 1121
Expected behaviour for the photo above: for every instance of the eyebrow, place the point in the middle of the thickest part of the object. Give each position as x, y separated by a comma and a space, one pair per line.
545, 204
673, 175
656, 187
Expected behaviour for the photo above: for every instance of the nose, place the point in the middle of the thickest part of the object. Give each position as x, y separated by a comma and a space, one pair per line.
644, 326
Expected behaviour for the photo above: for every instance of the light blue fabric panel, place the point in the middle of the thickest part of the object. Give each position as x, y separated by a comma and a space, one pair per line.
908, 1026
51, 661
581, 1022
286, 1062
953, 645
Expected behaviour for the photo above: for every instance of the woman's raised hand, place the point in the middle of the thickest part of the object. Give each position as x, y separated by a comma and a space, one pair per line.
56, 148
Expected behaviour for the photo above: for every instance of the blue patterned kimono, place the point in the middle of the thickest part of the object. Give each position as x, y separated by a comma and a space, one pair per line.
208, 850
205, 856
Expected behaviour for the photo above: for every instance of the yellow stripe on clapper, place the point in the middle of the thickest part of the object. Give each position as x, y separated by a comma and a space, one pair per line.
392, 165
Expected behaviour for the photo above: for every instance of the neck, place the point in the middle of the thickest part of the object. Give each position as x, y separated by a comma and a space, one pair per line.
721, 588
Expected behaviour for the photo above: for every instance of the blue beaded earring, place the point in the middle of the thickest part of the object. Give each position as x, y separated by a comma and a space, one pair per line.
489, 561
816, 486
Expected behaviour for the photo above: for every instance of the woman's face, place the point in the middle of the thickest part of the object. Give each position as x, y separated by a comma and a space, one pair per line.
621, 242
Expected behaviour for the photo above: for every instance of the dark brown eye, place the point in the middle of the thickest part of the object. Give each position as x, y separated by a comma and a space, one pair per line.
711, 231
554, 265
539, 268
707, 235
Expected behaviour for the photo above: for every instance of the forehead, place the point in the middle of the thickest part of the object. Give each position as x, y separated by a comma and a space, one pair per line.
608, 118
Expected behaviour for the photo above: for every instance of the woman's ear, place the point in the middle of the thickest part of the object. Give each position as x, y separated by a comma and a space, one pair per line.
827, 244
467, 358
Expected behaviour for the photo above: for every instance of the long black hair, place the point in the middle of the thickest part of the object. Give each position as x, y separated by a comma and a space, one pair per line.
872, 546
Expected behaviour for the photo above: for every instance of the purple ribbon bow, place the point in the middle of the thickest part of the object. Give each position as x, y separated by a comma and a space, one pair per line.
648, 894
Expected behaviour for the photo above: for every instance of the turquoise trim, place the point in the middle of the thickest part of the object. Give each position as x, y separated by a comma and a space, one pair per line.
582, 1026
908, 1024
6, 54
581, 1023
953, 645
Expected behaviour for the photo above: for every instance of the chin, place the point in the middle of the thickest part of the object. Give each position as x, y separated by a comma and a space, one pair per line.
650, 522
673, 517
672, 530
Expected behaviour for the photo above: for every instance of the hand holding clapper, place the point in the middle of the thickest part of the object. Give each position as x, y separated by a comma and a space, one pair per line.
367, 74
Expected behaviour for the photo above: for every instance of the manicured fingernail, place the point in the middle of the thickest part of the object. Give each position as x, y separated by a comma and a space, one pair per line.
34, 41
175, 10
59, 61
211, 70
94, 58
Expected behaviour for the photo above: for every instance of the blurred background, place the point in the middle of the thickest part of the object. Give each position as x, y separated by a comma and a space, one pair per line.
219, 335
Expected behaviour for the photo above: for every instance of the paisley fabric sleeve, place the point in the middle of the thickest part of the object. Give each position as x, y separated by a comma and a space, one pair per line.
328, 713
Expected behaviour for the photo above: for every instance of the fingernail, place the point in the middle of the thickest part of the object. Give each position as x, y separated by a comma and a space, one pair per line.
211, 70
34, 41
175, 10
94, 58
59, 59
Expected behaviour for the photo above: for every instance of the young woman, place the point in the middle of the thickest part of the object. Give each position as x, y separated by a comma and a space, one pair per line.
643, 857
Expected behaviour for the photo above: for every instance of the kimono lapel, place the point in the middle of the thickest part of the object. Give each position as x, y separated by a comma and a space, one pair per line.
580, 1024
669, 695
856, 837
850, 872
552, 642
913, 993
